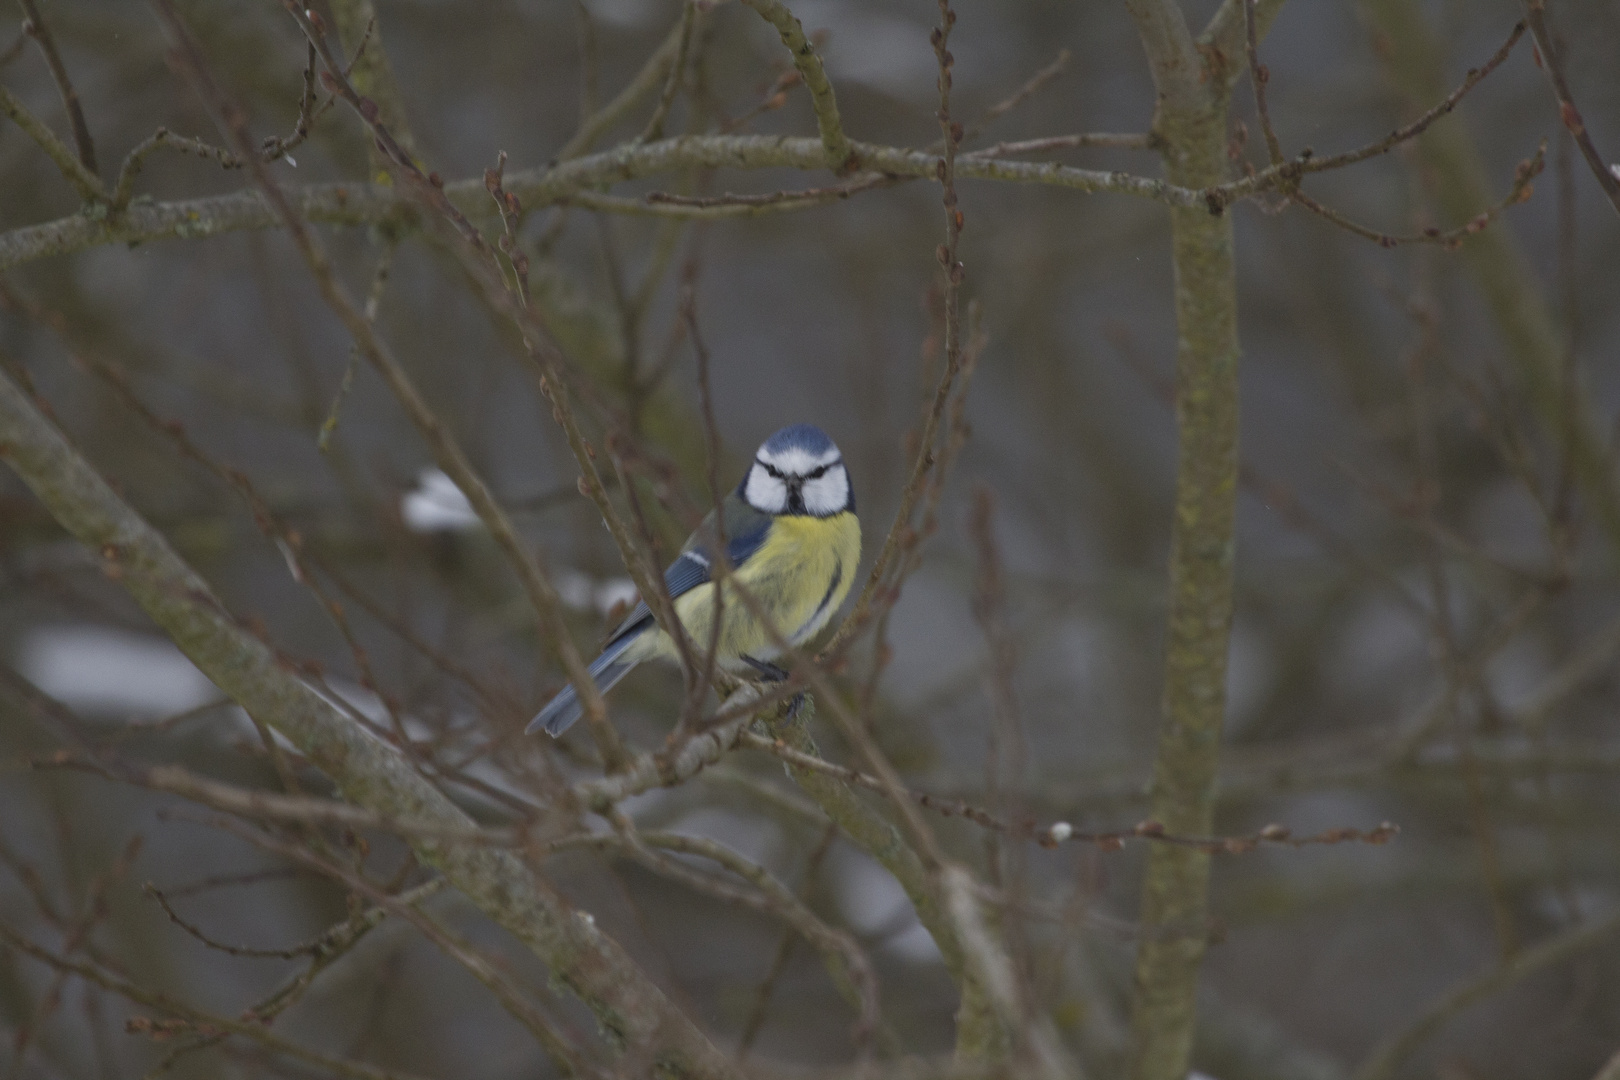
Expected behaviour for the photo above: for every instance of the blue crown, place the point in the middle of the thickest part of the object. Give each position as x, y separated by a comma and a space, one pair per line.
807, 437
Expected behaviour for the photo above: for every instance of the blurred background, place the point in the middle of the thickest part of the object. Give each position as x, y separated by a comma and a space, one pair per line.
1427, 612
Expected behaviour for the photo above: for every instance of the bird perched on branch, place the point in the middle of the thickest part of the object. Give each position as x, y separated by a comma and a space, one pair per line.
792, 543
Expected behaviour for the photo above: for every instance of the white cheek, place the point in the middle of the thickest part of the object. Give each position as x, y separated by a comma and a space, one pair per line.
827, 494
765, 492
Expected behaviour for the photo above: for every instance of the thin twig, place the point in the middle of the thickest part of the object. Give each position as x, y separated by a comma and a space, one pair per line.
1552, 62
14, 50
677, 71
1395, 1049
841, 155
1031, 87
287, 540
784, 952
447, 451
1064, 142
256, 804
1006, 762
41, 34
1429, 492
84, 181
277, 147
849, 967
1522, 189
652, 73
336, 943
955, 438
775, 199
1060, 832
945, 171
1286, 174
871, 831
164, 138
718, 544
1259, 76
379, 281
478, 258
512, 998
594, 967
191, 1019
308, 948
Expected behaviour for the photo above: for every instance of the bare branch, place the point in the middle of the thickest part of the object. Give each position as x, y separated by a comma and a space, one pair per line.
776, 200
842, 156
1389, 1054
84, 181
1259, 76
1060, 832
369, 70
1512, 293
1552, 62
652, 73
512, 998
446, 450
995, 972
164, 138
945, 170
870, 831
1522, 185
677, 71
308, 948
678, 764
1030, 88
367, 771
784, 952
1065, 142
850, 968
36, 28
1285, 175
192, 1019
1226, 32
364, 204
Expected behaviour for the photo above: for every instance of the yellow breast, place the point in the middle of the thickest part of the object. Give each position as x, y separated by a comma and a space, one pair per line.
799, 576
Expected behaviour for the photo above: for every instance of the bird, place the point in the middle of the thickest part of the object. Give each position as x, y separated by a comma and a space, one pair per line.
792, 541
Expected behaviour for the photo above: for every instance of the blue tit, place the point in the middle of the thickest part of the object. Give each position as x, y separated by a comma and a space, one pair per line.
792, 541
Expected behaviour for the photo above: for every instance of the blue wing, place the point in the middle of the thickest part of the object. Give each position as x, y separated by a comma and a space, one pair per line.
691, 569
746, 529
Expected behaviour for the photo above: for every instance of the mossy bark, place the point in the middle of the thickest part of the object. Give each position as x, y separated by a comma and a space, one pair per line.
1193, 81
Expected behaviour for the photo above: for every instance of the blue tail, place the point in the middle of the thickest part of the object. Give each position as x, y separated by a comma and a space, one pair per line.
561, 711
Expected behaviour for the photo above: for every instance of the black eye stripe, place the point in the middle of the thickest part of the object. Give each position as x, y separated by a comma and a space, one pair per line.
814, 474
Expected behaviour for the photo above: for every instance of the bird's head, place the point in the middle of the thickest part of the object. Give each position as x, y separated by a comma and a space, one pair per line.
798, 471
